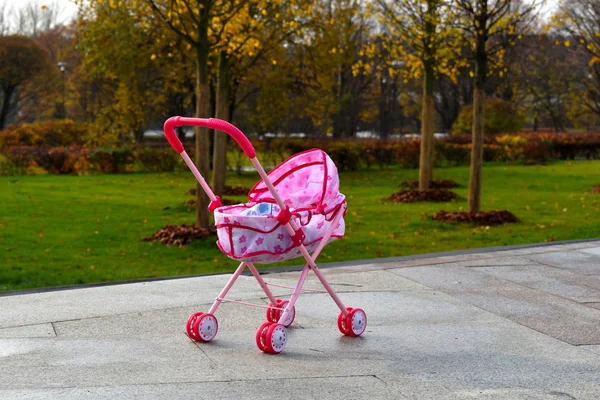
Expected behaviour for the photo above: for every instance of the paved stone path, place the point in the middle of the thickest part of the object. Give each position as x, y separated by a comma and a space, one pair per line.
515, 324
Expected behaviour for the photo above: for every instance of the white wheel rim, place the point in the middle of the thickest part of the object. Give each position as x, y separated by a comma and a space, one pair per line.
279, 338
207, 327
291, 315
359, 322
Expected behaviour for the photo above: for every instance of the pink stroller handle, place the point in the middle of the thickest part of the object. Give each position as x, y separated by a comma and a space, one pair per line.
212, 123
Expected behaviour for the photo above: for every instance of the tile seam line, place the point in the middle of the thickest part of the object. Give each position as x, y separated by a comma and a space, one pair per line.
196, 382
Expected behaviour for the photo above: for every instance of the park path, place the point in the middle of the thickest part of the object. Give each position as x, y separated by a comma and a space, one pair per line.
511, 324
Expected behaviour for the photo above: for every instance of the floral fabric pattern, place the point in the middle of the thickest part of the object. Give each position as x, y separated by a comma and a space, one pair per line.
308, 184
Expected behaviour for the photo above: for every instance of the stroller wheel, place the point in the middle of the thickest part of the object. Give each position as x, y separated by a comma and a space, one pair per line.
353, 324
356, 322
189, 326
342, 322
273, 314
261, 335
276, 338
205, 327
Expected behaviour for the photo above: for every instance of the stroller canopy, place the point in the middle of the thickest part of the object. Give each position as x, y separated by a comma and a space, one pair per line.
307, 180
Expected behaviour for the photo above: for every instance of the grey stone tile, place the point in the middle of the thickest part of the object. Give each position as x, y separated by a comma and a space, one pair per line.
520, 394
556, 281
118, 299
170, 321
495, 262
46, 363
594, 349
305, 388
555, 316
577, 261
27, 331
351, 282
593, 251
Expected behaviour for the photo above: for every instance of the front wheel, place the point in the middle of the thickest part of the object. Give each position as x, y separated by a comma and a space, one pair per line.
205, 328
354, 323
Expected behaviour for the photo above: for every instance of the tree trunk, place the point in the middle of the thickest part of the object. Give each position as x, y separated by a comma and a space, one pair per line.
220, 143
476, 151
427, 126
202, 134
8, 92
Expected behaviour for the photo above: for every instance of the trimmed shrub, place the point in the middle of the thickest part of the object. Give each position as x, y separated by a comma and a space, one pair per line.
56, 160
157, 159
407, 153
499, 117
346, 156
511, 147
111, 160
380, 152
51, 133
453, 154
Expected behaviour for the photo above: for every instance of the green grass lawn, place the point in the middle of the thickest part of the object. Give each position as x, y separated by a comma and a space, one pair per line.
62, 230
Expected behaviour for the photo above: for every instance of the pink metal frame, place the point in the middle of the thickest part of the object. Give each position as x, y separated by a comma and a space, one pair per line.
291, 227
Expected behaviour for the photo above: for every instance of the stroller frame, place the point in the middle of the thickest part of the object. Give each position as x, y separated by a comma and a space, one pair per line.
271, 336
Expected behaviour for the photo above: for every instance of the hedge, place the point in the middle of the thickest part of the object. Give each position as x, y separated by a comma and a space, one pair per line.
349, 155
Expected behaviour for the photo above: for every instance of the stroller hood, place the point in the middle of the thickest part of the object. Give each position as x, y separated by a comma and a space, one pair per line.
307, 180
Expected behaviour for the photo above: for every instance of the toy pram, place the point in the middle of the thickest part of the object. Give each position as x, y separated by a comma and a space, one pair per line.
295, 209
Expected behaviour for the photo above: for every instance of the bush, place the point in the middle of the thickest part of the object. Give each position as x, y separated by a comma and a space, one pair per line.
52, 133
346, 156
538, 150
511, 147
407, 153
380, 152
453, 154
499, 117
112, 160
67, 160
56, 160
157, 159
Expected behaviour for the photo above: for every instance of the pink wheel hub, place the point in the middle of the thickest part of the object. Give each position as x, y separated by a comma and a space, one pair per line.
205, 328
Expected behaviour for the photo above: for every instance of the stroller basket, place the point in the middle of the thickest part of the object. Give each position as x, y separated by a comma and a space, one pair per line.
308, 184
295, 209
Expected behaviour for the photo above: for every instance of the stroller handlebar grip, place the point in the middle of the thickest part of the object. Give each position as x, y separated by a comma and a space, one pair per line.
212, 123
170, 134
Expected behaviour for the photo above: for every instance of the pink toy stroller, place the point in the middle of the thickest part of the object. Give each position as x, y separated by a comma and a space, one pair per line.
295, 209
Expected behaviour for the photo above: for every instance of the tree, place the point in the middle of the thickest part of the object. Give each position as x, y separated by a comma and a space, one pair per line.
485, 23
250, 34
547, 77
131, 72
581, 19
21, 60
421, 36
201, 23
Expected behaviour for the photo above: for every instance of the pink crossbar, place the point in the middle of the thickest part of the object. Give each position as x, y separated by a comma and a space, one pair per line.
249, 304
294, 287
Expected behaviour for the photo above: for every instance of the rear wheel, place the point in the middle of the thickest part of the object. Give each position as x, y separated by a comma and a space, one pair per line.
273, 314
